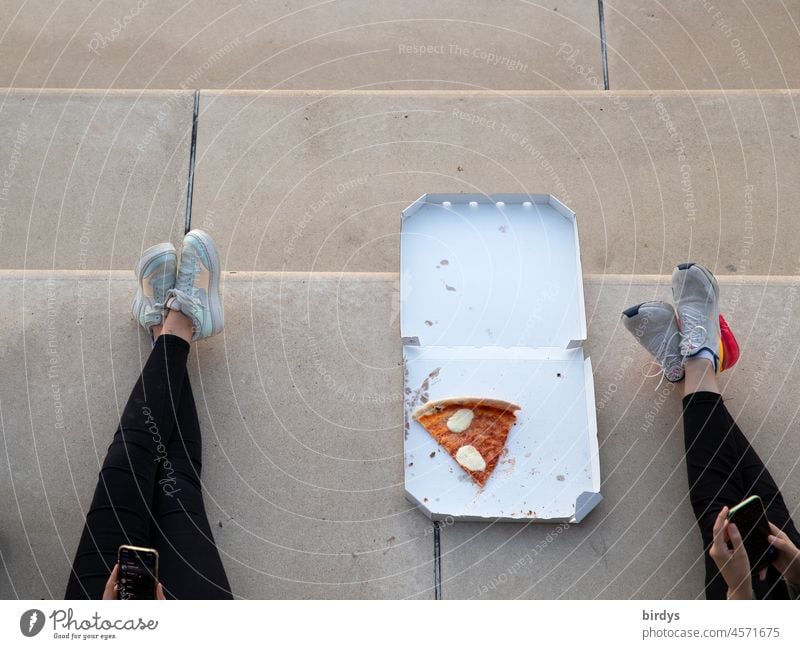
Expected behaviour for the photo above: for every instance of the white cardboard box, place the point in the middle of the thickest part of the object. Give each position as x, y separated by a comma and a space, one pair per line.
492, 306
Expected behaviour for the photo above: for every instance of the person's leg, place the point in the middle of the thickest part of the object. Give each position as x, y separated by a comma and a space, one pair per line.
711, 459
759, 482
190, 563
740, 459
120, 512
191, 567
723, 470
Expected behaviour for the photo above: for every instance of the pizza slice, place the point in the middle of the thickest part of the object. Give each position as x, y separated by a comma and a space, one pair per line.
473, 430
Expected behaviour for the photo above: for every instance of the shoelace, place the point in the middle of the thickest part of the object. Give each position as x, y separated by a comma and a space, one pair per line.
693, 334
186, 298
154, 316
184, 290
665, 360
188, 268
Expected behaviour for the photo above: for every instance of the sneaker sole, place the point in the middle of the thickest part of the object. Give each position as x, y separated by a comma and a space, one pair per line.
730, 346
214, 301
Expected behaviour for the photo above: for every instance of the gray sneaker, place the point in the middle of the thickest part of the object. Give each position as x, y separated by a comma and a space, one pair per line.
655, 328
696, 295
155, 272
196, 291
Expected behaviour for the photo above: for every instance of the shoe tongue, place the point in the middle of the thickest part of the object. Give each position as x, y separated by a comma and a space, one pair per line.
186, 271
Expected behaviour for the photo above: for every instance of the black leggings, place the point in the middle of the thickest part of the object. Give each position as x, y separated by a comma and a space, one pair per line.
724, 470
148, 493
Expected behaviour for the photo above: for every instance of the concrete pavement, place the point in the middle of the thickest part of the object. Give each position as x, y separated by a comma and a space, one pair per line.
304, 487
84, 175
381, 44
318, 123
653, 178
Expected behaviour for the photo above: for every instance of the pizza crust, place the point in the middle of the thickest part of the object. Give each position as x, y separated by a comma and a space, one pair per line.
466, 402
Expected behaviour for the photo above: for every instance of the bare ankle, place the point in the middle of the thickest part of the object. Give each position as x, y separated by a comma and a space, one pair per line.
177, 324
700, 376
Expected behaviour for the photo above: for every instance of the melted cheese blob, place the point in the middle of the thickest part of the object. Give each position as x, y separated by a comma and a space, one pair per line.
460, 420
470, 458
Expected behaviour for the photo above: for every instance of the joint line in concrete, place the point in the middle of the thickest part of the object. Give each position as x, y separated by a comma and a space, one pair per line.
192, 154
603, 50
437, 562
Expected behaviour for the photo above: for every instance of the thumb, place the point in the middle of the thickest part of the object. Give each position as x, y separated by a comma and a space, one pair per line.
110, 591
735, 537
778, 542
777, 531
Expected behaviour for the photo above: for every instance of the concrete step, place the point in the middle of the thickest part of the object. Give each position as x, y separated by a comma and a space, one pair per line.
746, 44
304, 483
415, 44
89, 179
298, 44
316, 181
641, 542
300, 409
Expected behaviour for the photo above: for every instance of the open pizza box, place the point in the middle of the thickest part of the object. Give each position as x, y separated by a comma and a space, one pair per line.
492, 306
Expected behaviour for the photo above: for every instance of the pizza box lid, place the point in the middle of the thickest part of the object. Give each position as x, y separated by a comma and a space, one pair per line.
501, 270
491, 304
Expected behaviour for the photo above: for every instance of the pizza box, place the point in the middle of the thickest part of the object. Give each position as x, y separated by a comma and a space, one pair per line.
491, 305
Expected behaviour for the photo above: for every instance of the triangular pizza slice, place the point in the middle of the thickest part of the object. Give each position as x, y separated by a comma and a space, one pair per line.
473, 430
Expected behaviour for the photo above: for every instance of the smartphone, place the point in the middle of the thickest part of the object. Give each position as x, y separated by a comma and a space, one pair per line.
138, 572
750, 518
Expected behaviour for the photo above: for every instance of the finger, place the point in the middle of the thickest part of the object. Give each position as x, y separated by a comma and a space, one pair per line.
777, 531
778, 542
736, 538
160, 591
719, 528
726, 533
762, 574
110, 591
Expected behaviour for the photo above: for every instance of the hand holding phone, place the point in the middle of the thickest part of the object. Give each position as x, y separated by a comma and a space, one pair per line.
787, 560
136, 573
727, 551
750, 518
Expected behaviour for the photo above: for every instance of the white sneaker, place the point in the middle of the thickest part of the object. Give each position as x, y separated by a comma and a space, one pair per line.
196, 290
155, 272
655, 328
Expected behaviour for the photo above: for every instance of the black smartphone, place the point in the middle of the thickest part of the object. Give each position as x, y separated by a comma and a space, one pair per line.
138, 572
750, 518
